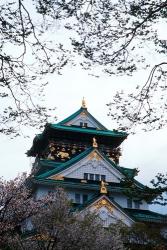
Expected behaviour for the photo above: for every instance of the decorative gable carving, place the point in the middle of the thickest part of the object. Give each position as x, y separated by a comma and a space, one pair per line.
92, 164
84, 119
108, 212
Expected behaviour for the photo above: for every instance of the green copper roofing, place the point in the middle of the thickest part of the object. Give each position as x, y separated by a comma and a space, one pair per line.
126, 171
146, 215
78, 112
89, 130
95, 197
65, 165
49, 163
78, 185
138, 215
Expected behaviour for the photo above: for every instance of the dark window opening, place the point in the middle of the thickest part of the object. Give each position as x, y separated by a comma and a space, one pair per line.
103, 177
91, 177
81, 124
94, 177
129, 203
137, 204
97, 177
77, 198
85, 198
86, 176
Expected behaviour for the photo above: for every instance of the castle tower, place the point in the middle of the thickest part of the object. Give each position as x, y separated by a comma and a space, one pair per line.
82, 156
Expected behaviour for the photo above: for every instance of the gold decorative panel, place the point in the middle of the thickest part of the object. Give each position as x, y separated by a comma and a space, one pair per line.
57, 178
94, 155
104, 203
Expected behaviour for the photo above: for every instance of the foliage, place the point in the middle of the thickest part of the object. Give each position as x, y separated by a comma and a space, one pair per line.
50, 220
25, 58
16, 205
145, 236
51, 223
155, 194
117, 38
82, 232
160, 183
99, 35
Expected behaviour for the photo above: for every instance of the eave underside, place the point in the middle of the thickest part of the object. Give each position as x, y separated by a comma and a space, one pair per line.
76, 135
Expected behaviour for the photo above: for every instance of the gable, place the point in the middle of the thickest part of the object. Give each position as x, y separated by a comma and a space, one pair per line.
82, 118
108, 212
93, 164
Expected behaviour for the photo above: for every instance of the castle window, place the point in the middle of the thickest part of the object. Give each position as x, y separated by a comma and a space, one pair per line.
91, 177
85, 198
97, 177
94, 177
85, 124
137, 204
81, 124
129, 203
103, 177
77, 198
85, 176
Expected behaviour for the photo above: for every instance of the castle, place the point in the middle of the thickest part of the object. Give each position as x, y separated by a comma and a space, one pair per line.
82, 156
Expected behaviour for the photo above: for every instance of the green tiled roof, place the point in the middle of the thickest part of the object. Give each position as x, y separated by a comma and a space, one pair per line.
105, 136
71, 183
89, 130
96, 197
66, 164
62, 166
56, 168
146, 216
54, 165
49, 163
138, 215
71, 117
61, 131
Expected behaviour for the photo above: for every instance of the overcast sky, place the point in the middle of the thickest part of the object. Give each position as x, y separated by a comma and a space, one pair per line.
146, 151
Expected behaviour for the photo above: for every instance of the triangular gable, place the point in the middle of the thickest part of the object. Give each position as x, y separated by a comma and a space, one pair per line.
65, 165
93, 163
108, 211
82, 118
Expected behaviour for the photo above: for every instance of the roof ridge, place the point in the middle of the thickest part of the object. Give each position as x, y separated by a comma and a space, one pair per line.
79, 157
70, 117
77, 113
89, 130
98, 196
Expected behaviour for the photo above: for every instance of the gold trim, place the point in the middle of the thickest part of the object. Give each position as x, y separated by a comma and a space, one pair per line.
94, 155
103, 188
83, 103
84, 181
83, 113
58, 178
104, 203
95, 145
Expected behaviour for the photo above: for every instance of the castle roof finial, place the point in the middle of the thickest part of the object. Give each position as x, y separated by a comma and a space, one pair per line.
95, 145
83, 103
103, 188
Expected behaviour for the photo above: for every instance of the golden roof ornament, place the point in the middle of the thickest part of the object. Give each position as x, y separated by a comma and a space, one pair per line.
103, 188
95, 145
84, 103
